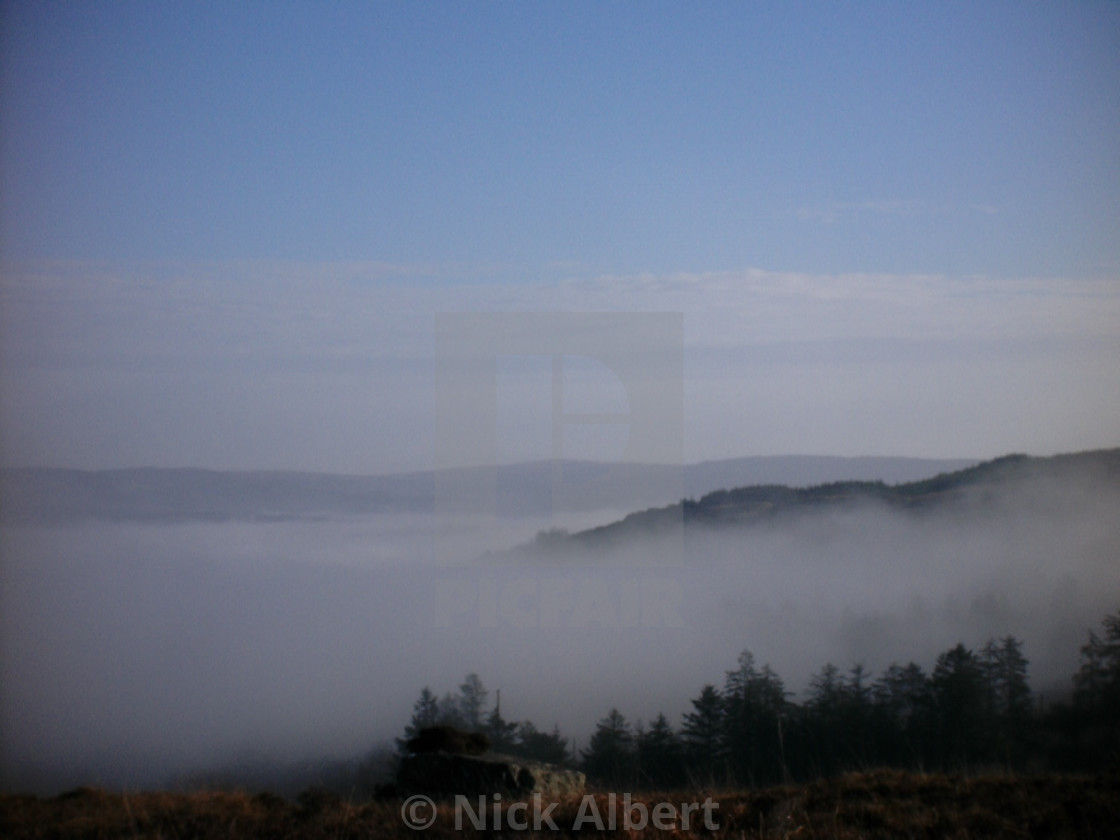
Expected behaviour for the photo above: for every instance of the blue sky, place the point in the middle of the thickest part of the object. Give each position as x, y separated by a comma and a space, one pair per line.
341, 172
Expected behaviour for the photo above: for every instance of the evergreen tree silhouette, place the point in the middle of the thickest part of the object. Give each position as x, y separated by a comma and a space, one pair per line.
702, 737
425, 713
659, 756
609, 758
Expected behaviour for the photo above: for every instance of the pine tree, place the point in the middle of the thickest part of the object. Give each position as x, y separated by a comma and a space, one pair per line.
1010, 694
858, 747
702, 736
659, 756
1097, 697
472, 700
502, 734
609, 757
549, 747
903, 712
824, 720
425, 713
1097, 683
961, 696
754, 712
449, 714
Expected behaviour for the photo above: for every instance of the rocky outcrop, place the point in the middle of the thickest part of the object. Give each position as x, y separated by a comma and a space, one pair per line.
445, 775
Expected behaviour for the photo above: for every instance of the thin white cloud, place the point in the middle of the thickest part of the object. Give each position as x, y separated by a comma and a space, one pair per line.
276, 311
329, 366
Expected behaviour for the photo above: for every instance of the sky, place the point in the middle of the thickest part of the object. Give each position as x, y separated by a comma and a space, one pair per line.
226, 230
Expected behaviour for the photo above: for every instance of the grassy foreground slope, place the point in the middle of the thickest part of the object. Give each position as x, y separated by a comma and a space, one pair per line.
857, 805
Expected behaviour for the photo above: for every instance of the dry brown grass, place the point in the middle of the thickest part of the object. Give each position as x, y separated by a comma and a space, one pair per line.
878, 804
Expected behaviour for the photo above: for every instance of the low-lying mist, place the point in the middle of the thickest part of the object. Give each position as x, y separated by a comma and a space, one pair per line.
135, 654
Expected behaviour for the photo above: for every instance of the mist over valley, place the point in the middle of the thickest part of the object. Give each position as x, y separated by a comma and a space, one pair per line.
141, 650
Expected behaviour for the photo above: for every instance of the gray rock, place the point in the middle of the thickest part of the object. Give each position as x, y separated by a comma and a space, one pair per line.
445, 775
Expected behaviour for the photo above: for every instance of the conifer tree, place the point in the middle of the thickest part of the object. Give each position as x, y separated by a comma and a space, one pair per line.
702, 736
1010, 695
425, 713
502, 734
472, 700
961, 697
609, 757
549, 747
754, 710
903, 710
659, 756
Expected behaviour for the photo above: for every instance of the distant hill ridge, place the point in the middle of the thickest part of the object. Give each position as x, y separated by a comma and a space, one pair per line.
758, 503
764, 486
48, 495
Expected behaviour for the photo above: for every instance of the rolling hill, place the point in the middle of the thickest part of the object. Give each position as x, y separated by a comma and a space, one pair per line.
47, 495
976, 488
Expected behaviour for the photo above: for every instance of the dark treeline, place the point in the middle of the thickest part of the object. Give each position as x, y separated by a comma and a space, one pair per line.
975, 710
466, 710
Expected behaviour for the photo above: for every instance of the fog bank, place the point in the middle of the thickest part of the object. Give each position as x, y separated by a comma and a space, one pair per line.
135, 653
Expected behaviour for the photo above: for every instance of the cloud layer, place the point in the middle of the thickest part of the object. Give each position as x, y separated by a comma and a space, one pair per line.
329, 366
